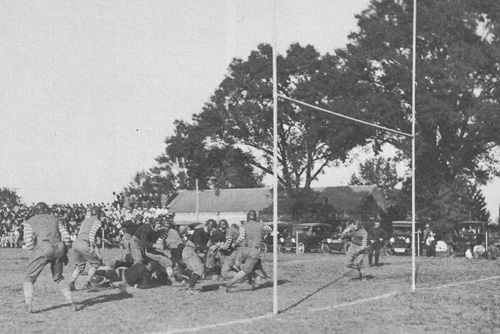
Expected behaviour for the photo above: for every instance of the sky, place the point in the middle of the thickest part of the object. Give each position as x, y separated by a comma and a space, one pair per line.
91, 89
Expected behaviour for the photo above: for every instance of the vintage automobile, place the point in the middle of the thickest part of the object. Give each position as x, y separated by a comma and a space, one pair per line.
336, 243
401, 238
283, 232
466, 235
307, 237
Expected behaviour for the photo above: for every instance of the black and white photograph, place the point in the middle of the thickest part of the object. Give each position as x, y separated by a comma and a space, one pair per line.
266, 166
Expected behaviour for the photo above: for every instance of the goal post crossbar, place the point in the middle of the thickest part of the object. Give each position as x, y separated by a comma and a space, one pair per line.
344, 116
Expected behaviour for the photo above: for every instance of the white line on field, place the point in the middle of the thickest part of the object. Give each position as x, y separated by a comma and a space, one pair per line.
359, 301
459, 283
269, 315
220, 324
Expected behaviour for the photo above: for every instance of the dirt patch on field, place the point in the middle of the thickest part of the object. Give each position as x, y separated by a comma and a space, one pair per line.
316, 294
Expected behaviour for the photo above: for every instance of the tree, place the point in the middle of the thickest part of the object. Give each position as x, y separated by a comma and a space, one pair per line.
239, 115
381, 172
9, 197
457, 119
211, 164
157, 180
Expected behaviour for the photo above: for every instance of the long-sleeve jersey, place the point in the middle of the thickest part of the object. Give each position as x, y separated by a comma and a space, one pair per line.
359, 237
234, 238
376, 233
146, 235
42, 228
254, 233
199, 239
88, 230
130, 227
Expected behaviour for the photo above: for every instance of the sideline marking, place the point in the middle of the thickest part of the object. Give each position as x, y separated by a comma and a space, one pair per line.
359, 301
459, 283
270, 315
220, 324
326, 308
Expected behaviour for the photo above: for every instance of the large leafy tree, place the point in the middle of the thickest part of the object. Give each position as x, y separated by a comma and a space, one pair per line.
211, 163
458, 67
239, 115
9, 197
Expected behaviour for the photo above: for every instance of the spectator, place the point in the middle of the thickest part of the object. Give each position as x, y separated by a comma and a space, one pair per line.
429, 241
376, 238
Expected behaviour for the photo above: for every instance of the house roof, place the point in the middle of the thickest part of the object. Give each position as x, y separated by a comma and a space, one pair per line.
348, 198
227, 200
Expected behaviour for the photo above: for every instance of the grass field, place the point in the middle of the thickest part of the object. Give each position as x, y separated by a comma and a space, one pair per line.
317, 294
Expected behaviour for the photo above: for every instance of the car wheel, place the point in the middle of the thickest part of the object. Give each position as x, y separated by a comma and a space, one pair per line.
346, 246
325, 249
301, 248
263, 247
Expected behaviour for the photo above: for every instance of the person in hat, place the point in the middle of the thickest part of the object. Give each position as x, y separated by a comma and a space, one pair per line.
376, 236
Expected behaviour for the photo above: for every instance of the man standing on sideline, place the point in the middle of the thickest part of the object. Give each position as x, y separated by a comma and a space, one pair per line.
356, 252
429, 241
85, 248
376, 237
249, 254
197, 243
47, 240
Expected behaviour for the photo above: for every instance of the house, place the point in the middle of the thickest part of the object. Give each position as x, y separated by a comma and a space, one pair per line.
229, 204
351, 202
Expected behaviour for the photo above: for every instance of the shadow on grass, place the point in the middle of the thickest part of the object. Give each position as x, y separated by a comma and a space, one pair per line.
103, 299
89, 302
217, 286
315, 292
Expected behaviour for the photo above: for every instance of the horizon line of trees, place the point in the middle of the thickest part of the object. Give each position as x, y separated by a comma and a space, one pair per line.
229, 142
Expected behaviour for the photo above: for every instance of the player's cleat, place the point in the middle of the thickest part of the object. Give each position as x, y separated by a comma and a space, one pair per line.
228, 287
72, 286
88, 286
192, 291
352, 266
253, 287
363, 278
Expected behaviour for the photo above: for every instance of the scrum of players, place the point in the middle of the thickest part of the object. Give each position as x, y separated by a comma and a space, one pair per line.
154, 254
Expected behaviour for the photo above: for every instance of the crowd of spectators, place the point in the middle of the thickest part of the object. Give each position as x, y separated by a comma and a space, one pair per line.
113, 214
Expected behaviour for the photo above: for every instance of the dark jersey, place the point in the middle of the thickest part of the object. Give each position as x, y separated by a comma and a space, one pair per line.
146, 235
200, 239
130, 227
218, 236
138, 274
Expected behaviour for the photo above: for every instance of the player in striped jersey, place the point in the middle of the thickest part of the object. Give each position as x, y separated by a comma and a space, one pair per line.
355, 253
235, 235
46, 239
249, 254
85, 248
